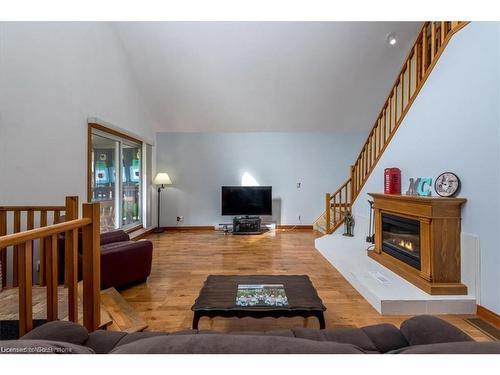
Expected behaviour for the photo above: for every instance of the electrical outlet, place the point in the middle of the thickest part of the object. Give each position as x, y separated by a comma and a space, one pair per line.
180, 219
299, 185
300, 219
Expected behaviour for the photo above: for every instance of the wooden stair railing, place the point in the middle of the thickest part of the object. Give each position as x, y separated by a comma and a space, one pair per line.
35, 216
337, 205
22, 243
428, 47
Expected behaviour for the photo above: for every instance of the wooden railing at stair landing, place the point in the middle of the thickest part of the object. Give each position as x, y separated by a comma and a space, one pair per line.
417, 66
22, 243
18, 218
338, 204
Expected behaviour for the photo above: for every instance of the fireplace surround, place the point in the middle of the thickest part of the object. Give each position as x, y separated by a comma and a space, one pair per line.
419, 239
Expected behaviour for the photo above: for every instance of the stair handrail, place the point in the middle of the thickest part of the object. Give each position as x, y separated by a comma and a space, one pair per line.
417, 66
340, 199
43, 214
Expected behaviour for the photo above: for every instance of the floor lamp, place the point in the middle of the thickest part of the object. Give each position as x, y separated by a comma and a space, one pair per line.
160, 180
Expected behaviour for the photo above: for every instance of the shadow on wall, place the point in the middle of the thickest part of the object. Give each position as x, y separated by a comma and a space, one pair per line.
276, 217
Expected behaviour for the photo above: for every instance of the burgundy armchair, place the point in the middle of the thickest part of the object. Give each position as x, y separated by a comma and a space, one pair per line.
123, 262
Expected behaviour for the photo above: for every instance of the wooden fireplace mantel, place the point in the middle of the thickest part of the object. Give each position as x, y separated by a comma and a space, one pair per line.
439, 220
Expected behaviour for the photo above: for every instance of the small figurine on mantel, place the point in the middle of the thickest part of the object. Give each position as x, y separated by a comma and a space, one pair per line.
420, 186
348, 224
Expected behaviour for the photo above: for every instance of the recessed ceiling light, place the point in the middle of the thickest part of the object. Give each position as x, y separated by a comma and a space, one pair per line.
391, 39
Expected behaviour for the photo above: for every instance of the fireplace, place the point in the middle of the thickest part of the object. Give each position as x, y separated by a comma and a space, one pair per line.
419, 239
401, 239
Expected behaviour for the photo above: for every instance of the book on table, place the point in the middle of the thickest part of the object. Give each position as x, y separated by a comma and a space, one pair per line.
261, 295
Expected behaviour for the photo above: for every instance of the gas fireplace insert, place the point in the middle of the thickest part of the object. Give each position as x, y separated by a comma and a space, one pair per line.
401, 238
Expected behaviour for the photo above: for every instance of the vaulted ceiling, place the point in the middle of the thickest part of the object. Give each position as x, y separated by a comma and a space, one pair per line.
265, 76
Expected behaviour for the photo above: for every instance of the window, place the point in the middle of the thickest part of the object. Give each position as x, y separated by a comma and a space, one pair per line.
115, 174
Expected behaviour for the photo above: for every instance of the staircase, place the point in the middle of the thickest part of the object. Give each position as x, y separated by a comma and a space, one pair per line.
418, 65
116, 312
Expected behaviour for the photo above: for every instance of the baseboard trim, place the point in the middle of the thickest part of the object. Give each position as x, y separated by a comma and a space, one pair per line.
189, 227
293, 226
213, 227
488, 315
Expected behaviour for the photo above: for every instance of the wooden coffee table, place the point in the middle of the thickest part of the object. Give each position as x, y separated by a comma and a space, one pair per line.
218, 298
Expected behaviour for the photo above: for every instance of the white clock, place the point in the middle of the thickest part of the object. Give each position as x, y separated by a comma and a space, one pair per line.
447, 184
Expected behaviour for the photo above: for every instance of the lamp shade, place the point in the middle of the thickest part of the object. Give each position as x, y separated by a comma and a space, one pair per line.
162, 179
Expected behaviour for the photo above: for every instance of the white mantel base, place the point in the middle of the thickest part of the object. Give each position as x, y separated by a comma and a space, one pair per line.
386, 291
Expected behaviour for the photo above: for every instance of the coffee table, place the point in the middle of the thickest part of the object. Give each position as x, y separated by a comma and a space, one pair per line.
218, 298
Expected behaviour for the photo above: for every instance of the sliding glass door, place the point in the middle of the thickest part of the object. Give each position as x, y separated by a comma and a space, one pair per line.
131, 187
105, 189
115, 178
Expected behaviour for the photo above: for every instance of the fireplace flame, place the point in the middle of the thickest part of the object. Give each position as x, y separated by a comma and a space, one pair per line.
408, 245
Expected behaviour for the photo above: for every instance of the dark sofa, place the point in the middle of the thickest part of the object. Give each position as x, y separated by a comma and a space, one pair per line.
123, 262
421, 334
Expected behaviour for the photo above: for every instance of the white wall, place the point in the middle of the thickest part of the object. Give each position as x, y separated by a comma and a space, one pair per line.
53, 76
453, 125
200, 163
265, 76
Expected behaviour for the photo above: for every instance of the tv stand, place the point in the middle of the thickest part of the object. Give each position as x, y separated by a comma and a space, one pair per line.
246, 225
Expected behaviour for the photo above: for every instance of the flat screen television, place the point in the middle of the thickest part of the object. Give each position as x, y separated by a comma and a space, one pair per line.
247, 200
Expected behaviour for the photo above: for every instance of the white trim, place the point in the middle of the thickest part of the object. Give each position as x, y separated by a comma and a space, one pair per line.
98, 121
118, 190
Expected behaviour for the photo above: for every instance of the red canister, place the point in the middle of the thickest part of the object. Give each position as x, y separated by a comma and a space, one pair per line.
392, 181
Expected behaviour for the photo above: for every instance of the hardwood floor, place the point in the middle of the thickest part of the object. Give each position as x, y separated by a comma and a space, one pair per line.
183, 259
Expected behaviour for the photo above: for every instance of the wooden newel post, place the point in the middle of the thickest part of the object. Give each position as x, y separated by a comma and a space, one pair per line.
327, 212
91, 267
71, 259
3, 252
